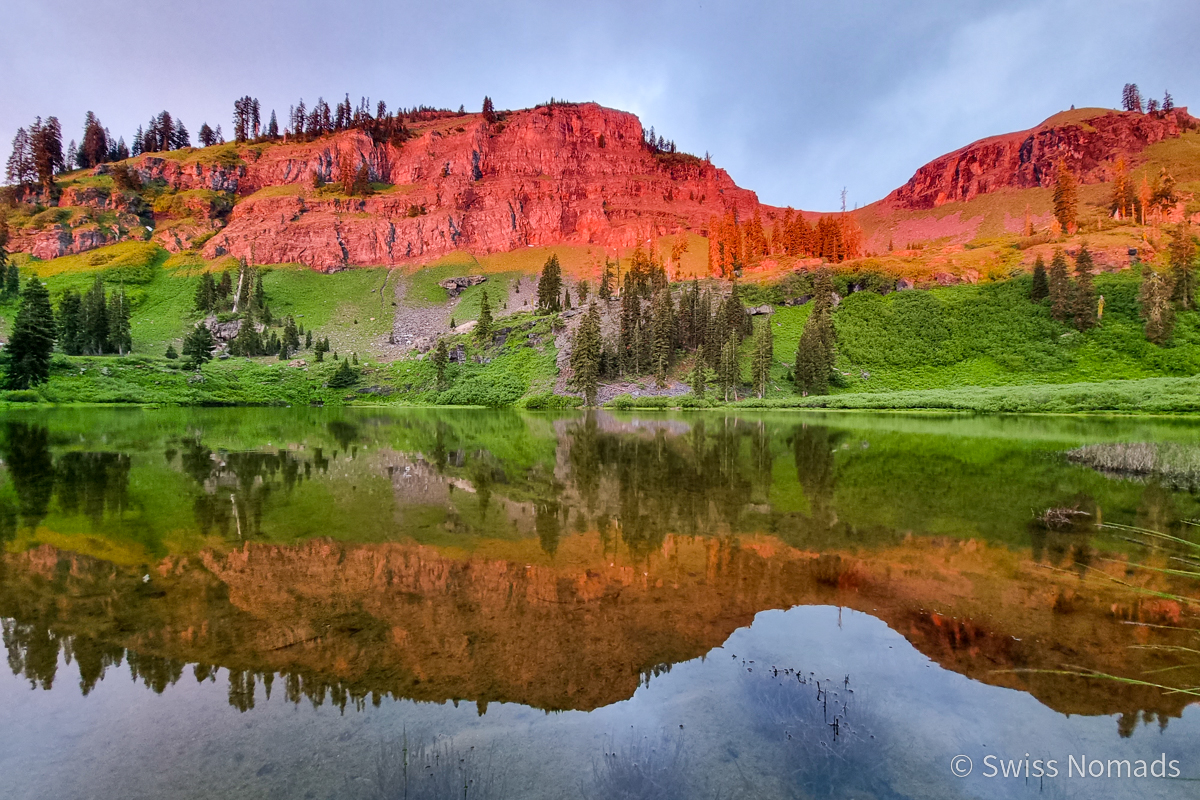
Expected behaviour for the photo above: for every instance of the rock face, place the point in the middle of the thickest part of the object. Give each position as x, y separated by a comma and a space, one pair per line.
1088, 143
562, 174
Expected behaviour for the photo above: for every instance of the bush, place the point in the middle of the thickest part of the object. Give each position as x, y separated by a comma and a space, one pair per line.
23, 396
493, 390
551, 402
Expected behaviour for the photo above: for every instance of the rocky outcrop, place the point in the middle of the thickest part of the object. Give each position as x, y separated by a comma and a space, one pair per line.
454, 286
561, 174
62, 240
1089, 143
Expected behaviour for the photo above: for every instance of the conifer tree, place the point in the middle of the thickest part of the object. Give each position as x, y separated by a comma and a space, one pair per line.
6, 292
225, 285
606, 281
440, 357
1041, 284
1084, 297
762, 357
247, 342
662, 341
696, 378
206, 293
1060, 287
1156, 308
70, 319
27, 357
816, 352
627, 335
171, 354
308, 343
291, 335
586, 355
120, 335
1066, 204
95, 319
198, 346
483, 326
729, 371
584, 289
489, 111
343, 377
567, 299
1121, 200
549, 292
1182, 250
12, 282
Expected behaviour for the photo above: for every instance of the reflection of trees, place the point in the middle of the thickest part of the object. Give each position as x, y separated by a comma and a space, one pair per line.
812, 450
689, 484
92, 483
26, 452
237, 486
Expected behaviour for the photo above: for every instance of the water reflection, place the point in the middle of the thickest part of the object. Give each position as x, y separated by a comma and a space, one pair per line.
561, 562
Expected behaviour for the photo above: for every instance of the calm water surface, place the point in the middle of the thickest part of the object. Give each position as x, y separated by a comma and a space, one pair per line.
465, 604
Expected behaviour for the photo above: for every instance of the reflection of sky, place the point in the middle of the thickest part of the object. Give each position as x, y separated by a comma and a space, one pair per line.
124, 741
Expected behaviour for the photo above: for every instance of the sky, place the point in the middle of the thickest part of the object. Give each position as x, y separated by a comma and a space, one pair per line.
797, 100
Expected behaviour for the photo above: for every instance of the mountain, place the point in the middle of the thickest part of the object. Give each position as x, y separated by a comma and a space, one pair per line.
560, 174
1088, 140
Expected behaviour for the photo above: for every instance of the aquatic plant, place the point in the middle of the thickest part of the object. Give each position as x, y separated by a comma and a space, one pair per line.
1174, 465
408, 770
643, 768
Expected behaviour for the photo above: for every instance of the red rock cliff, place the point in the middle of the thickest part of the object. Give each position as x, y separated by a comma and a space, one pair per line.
563, 174
1089, 143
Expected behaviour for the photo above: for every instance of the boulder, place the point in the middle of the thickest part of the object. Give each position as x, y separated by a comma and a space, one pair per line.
758, 311
455, 286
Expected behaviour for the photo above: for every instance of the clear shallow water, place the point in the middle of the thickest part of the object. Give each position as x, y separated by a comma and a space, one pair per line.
542, 602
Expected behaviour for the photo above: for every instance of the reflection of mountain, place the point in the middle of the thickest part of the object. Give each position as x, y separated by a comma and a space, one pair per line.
557, 563
348, 622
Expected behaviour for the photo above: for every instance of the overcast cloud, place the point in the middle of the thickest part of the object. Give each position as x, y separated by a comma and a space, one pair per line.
795, 99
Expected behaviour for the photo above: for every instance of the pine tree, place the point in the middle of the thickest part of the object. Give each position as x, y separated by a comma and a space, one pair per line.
70, 318
291, 335
606, 281
696, 378
567, 299
586, 354
206, 293
198, 346
1060, 287
1121, 200
1084, 296
549, 290
171, 354
627, 335
247, 342
95, 319
6, 290
1041, 285
343, 377
729, 371
440, 357
1168, 103
584, 288
816, 352
308, 343
489, 111
27, 357
762, 357
12, 282
662, 333
1182, 250
1156, 308
1131, 98
1066, 204
483, 326
120, 335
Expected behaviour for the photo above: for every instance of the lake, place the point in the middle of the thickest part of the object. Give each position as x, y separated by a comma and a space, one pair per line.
427, 603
